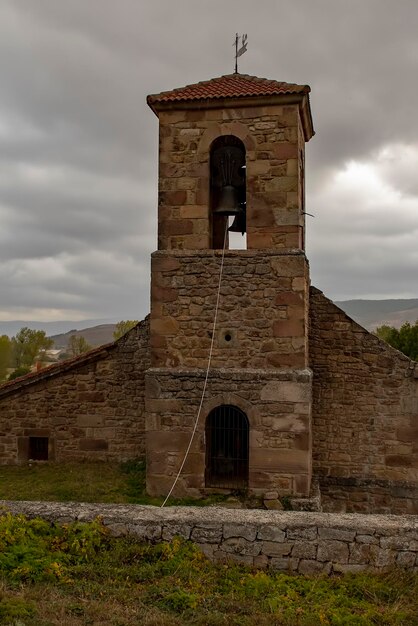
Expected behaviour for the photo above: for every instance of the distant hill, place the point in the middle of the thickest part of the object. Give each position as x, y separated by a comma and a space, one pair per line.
52, 328
373, 313
95, 336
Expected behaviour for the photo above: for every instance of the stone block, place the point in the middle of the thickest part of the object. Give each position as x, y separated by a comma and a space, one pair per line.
382, 558
169, 441
164, 326
271, 495
208, 549
308, 533
239, 545
195, 465
406, 560
164, 263
273, 505
310, 567
271, 533
163, 294
176, 227
173, 198
93, 445
304, 550
283, 564
288, 328
164, 405
262, 217
259, 240
346, 568
274, 549
284, 151
292, 167
336, 551
194, 212
145, 532
285, 298
172, 530
366, 539
91, 396
239, 530
261, 561
280, 460
208, 534
339, 534
359, 553
286, 391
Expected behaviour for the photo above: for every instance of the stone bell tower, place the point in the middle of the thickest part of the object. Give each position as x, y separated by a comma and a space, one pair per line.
230, 146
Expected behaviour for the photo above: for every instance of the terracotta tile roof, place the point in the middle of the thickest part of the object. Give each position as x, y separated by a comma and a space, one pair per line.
228, 86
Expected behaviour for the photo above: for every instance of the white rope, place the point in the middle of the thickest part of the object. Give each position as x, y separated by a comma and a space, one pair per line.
207, 373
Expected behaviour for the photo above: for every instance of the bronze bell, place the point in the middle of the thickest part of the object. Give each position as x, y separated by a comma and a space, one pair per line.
228, 202
239, 224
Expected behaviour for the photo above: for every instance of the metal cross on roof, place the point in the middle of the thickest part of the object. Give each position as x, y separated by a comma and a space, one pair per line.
241, 50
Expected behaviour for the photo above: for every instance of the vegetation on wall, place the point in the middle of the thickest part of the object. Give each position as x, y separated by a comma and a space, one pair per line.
404, 339
76, 574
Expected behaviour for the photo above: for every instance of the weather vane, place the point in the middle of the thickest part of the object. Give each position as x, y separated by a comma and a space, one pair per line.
241, 50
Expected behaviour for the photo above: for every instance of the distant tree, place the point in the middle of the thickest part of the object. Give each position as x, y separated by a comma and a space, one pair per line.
5, 355
18, 372
29, 344
404, 339
77, 345
123, 327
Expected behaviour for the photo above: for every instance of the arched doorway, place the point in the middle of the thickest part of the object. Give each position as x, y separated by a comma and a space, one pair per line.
227, 448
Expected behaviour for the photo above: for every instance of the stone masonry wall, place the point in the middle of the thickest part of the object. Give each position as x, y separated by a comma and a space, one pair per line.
365, 415
262, 317
272, 136
91, 407
277, 404
306, 543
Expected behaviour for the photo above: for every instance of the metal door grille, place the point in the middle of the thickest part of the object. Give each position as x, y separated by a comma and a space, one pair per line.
38, 448
227, 446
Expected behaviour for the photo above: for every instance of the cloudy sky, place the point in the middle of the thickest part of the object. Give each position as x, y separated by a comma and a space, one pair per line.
78, 157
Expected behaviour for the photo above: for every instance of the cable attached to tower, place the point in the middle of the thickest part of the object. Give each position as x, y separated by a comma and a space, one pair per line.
207, 372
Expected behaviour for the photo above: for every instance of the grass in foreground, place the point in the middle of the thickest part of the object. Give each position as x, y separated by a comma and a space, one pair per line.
83, 482
76, 575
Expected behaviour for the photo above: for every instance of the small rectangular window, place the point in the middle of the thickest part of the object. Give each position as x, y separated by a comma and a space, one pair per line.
38, 448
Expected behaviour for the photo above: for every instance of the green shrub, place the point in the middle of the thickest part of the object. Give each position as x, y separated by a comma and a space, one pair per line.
34, 550
12, 609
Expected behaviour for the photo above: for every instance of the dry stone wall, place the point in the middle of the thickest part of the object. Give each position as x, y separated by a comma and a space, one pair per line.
365, 415
306, 543
91, 407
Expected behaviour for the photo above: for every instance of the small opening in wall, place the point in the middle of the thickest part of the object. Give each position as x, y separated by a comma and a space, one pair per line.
38, 448
228, 337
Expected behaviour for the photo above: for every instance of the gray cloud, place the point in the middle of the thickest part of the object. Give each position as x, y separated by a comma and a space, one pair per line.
78, 158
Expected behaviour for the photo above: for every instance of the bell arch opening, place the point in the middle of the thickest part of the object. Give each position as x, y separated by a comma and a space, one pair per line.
228, 192
227, 448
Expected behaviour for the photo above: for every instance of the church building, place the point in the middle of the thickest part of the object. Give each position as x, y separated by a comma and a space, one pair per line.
244, 378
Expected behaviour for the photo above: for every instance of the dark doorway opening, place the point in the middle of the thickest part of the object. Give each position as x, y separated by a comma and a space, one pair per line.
38, 448
227, 448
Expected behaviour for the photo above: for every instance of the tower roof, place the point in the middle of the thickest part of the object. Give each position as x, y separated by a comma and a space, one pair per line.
228, 86
233, 90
